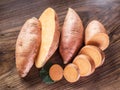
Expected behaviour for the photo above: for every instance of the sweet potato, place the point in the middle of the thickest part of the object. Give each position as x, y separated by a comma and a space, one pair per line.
71, 73
27, 45
95, 53
71, 37
85, 64
56, 72
50, 36
95, 34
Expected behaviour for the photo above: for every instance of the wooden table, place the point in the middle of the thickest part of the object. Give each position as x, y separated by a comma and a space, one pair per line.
13, 13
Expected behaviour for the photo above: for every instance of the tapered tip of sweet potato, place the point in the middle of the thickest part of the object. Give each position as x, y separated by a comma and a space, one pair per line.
22, 74
85, 64
38, 65
56, 72
100, 40
65, 62
48, 12
71, 73
65, 54
70, 10
33, 20
95, 53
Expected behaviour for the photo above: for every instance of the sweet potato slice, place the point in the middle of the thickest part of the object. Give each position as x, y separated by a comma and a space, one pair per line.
27, 46
71, 73
71, 37
95, 53
50, 36
56, 72
95, 34
85, 64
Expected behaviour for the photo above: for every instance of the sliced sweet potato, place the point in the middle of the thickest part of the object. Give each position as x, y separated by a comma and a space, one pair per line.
85, 64
27, 46
95, 53
95, 34
50, 36
56, 72
71, 73
71, 37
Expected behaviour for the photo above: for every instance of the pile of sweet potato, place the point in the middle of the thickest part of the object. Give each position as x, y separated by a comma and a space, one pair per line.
39, 39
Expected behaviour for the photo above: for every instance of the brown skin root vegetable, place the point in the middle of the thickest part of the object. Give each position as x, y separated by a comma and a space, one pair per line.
71, 37
56, 72
95, 53
95, 34
71, 73
50, 36
85, 64
27, 46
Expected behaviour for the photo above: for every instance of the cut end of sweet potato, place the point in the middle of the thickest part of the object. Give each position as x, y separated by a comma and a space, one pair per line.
56, 72
96, 34
71, 73
71, 36
50, 36
85, 65
100, 40
95, 53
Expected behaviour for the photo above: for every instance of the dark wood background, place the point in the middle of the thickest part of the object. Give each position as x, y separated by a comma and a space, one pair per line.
13, 13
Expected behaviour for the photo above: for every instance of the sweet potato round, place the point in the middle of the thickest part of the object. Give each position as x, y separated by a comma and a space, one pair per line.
56, 72
71, 73
85, 65
95, 53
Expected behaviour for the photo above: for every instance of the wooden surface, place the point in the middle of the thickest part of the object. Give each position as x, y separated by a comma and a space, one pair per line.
13, 14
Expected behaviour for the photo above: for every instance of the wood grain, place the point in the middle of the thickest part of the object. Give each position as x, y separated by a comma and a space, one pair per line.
13, 14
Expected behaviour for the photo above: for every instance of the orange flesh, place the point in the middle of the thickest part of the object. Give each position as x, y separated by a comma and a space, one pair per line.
48, 29
56, 72
94, 53
100, 40
84, 65
93, 28
71, 73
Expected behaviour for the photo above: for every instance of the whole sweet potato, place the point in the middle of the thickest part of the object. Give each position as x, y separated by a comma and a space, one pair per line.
71, 37
27, 45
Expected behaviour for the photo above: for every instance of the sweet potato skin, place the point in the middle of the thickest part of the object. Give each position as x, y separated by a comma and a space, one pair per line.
27, 46
71, 37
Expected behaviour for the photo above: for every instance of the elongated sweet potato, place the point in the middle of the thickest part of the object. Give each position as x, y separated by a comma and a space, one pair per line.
27, 45
95, 53
85, 64
71, 73
95, 34
71, 37
50, 36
